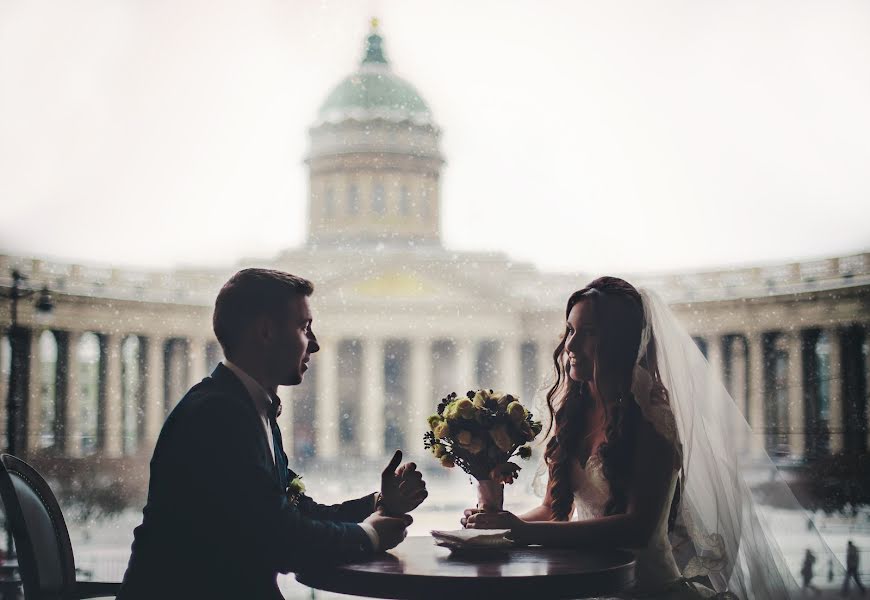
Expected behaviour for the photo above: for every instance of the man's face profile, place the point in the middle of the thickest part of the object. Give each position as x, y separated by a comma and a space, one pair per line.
292, 342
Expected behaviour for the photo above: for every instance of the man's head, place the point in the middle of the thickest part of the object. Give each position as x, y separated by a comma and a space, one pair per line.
263, 322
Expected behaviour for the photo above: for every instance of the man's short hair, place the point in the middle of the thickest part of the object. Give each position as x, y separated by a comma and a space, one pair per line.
249, 294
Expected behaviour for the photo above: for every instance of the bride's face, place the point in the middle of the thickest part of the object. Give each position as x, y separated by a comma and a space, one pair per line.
581, 340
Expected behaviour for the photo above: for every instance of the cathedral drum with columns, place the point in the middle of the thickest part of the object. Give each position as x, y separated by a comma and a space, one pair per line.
402, 320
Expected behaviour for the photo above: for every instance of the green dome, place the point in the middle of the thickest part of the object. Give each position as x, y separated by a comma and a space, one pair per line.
374, 91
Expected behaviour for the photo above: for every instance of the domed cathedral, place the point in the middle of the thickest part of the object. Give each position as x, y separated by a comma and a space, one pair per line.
375, 163
402, 320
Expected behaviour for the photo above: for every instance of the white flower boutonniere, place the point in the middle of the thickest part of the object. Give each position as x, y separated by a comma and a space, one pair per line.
295, 490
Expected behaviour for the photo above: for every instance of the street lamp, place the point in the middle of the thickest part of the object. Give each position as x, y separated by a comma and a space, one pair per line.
44, 305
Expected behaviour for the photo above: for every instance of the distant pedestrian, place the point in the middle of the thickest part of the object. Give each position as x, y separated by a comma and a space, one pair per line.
807, 572
851, 569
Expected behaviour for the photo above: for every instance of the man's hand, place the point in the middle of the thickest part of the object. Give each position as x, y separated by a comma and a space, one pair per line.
401, 490
391, 530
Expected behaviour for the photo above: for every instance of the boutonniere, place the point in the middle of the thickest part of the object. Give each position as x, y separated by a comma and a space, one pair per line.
295, 490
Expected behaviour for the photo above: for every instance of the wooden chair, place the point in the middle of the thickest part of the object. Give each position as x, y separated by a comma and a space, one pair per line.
45, 556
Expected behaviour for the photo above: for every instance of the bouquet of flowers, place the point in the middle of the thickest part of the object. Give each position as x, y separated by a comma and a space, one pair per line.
480, 432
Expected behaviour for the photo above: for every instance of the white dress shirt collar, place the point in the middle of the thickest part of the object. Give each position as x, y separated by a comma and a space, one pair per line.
261, 399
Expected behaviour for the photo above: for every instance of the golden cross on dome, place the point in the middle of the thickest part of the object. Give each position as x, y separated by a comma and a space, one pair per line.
374, 22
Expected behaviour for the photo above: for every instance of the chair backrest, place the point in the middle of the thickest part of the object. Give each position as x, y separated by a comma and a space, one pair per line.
45, 556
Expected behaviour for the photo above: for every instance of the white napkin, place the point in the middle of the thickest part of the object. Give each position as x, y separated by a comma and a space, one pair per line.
472, 538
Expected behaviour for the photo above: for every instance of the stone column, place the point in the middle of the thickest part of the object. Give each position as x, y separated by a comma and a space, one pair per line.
5, 364
737, 375
867, 384
755, 342
32, 413
466, 377
714, 357
285, 419
113, 398
154, 372
372, 398
546, 374
67, 355
176, 372
423, 397
326, 398
72, 429
835, 390
196, 367
510, 367
796, 420
715, 364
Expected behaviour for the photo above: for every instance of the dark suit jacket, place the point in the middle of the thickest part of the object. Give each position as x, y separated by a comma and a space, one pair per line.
217, 523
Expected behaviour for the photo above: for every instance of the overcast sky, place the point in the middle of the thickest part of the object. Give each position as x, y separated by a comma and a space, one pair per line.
587, 136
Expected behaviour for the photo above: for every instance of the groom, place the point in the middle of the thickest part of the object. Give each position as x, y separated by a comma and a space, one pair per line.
225, 514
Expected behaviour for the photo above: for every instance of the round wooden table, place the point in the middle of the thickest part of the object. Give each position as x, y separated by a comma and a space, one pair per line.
418, 568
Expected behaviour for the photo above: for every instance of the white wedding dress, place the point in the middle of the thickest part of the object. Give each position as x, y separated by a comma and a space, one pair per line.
656, 572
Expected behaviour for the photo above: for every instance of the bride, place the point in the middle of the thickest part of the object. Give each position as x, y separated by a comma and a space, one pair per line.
646, 451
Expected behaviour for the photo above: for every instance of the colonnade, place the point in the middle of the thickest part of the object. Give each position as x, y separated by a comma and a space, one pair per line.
803, 391
91, 399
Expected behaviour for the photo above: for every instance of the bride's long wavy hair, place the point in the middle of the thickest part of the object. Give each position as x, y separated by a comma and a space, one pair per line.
620, 319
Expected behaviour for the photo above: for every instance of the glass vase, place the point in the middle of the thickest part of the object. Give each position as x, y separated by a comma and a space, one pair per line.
490, 495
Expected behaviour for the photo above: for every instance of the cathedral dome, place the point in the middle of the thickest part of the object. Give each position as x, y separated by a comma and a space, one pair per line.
375, 92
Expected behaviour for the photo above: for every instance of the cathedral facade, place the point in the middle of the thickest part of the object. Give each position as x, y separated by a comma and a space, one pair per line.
403, 320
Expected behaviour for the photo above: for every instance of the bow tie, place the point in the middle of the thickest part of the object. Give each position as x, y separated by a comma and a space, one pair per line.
274, 409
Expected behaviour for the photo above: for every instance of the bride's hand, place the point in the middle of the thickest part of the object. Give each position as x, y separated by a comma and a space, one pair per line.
492, 520
468, 512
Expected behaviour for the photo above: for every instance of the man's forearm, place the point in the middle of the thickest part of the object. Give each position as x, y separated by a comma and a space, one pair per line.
352, 511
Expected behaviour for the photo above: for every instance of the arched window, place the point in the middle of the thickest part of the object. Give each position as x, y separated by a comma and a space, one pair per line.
352, 200
379, 202
88, 360
46, 427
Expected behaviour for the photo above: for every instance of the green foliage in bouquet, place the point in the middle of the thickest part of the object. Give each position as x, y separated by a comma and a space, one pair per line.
480, 432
